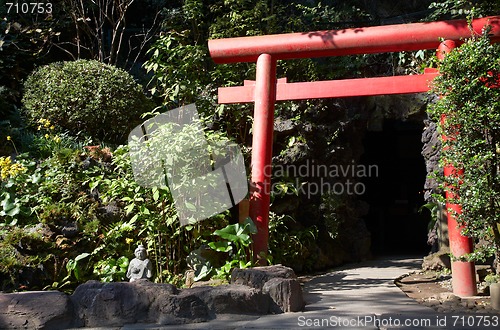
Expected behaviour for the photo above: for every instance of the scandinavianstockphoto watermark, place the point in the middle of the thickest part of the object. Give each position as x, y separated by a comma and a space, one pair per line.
208, 177
311, 178
384, 321
204, 177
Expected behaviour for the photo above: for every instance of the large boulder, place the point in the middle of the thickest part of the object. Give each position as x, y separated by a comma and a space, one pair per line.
232, 299
286, 295
115, 304
256, 277
35, 310
278, 282
437, 261
184, 307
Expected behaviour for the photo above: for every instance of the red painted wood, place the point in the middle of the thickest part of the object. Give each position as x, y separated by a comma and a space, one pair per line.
375, 39
333, 88
262, 134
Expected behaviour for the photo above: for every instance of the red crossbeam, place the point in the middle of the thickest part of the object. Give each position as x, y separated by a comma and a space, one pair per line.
333, 88
374, 39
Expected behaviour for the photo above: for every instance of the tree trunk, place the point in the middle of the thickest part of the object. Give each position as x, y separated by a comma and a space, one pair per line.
496, 241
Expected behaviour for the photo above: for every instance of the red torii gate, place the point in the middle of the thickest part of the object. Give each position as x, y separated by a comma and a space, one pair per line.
266, 90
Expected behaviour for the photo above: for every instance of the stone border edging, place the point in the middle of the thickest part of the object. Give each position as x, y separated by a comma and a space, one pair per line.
254, 291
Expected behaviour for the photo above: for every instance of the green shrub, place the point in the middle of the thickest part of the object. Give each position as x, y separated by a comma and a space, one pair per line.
87, 98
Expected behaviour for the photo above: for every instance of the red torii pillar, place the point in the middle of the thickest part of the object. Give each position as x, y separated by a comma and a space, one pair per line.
266, 90
262, 137
464, 273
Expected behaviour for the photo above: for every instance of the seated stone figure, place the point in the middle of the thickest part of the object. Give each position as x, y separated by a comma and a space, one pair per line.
140, 267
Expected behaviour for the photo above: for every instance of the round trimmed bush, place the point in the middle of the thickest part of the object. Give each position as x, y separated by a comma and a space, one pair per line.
86, 98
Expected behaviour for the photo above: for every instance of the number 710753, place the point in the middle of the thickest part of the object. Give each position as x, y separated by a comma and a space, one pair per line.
29, 8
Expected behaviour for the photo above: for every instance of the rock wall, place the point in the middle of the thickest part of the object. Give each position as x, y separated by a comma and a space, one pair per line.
431, 151
36, 310
330, 133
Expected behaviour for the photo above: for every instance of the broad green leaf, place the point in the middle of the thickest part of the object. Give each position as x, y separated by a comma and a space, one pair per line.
70, 265
190, 207
123, 262
156, 194
13, 211
220, 246
81, 256
202, 271
129, 208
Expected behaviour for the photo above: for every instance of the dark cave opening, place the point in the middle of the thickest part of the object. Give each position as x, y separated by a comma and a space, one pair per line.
395, 195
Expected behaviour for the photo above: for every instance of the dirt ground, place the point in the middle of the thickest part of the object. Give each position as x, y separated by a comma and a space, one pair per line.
422, 285
433, 289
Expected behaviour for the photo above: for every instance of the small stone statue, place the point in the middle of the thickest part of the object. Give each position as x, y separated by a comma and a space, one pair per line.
140, 267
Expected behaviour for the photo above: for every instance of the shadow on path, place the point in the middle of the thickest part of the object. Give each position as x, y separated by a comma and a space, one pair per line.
366, 287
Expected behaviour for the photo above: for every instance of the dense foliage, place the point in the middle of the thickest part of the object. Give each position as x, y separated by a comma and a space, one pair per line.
79, 214
470, 107
70, 212
87, 98
460, 8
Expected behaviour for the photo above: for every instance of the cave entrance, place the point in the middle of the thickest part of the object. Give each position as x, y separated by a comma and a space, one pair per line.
396, 195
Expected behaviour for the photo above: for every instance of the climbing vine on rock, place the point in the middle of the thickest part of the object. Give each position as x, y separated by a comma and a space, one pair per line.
470, 83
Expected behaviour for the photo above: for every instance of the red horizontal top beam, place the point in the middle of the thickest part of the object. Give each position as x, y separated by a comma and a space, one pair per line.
333, 88
376, 39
